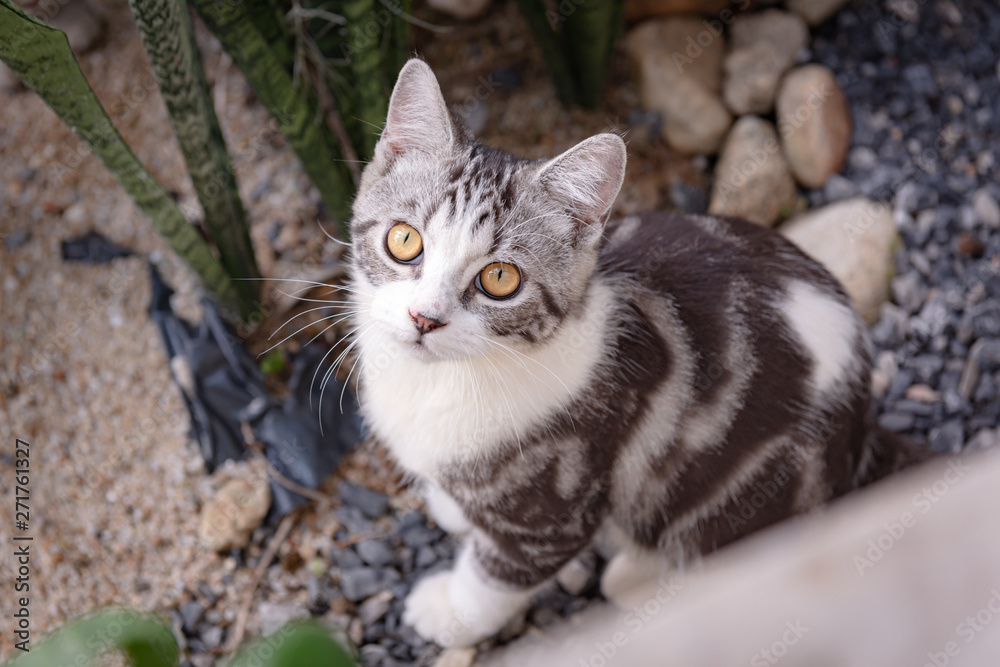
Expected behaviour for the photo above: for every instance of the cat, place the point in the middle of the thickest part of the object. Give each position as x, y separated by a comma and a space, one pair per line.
677, 381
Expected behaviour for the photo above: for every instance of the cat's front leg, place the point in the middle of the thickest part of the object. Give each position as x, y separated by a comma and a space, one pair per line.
446, 512
464, 605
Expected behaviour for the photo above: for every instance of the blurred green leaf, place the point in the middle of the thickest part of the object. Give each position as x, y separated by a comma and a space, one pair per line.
295, 645
145, 640
273, 362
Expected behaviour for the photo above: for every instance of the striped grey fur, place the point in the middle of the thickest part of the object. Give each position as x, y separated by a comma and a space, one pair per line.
708, 411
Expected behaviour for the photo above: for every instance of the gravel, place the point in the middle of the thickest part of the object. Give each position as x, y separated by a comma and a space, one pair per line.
925, 96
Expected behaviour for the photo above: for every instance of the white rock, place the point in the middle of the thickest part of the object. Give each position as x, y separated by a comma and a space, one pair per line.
855, 241
815, 11
682, 46
986, 208
678, 64
752, 76
462, 9
638, 9
752, 180
786, 32
814, 122
456, 657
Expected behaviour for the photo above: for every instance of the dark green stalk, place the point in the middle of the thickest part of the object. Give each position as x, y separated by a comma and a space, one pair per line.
165, 26
553, 49
365, 54
297, 112
589, 35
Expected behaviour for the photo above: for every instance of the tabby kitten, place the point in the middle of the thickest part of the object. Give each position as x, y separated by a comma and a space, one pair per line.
679, 381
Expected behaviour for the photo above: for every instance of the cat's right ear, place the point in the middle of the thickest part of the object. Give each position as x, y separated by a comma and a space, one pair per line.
418, 119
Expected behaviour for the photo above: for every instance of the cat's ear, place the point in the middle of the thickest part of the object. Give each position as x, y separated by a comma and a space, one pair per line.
418, 119
587, 178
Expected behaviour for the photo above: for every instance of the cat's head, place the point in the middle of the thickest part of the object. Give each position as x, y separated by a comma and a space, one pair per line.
457, 245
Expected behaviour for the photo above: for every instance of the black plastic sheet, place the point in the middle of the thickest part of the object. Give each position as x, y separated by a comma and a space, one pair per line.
224, 389
92, 248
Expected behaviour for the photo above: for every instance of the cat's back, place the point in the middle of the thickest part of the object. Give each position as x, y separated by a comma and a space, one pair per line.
764, 362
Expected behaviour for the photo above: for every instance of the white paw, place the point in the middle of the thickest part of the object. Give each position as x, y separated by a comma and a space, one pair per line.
431, 613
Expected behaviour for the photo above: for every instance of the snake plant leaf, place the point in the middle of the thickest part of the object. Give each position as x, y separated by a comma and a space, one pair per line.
165, 26
590, 34
145, 640
371, 102
41, 57
296, 111
576, 40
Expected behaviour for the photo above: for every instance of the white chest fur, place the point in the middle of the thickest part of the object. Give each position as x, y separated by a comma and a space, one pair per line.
433, 413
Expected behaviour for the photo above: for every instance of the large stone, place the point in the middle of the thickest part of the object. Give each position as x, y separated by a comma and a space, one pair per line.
462, 9
815, 11
786, 32
855, 241
752, 180
752, 77
764, 46
683, 46
678, 64
232, 515
639, 9
815, 124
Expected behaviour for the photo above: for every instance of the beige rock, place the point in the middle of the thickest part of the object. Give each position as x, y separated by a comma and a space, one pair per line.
815, 124
456, 657
855, 240
752, 76
815, 11
639, 9
678, 64
694, 119
786, 32
462, 9
232, 515
752, 180
681, 46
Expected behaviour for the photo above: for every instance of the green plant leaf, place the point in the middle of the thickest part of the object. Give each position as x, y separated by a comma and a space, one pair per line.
41, 57
165, 26
294, 645
296, 111
145, 640
273, 362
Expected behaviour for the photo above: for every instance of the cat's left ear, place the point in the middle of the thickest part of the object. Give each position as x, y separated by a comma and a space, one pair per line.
586, 179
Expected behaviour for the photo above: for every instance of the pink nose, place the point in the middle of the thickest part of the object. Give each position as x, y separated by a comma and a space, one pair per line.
425, 324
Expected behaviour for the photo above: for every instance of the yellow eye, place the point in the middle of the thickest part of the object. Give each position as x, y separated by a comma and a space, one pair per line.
404, 242
499, 280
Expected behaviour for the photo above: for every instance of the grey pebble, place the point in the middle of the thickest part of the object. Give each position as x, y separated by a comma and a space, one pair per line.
896, 421
375, 552
191, 614
361, 583
947, 438
354, 520
371, 503
375, 607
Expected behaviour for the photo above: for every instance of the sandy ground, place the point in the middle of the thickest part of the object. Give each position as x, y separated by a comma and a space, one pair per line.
115, 483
